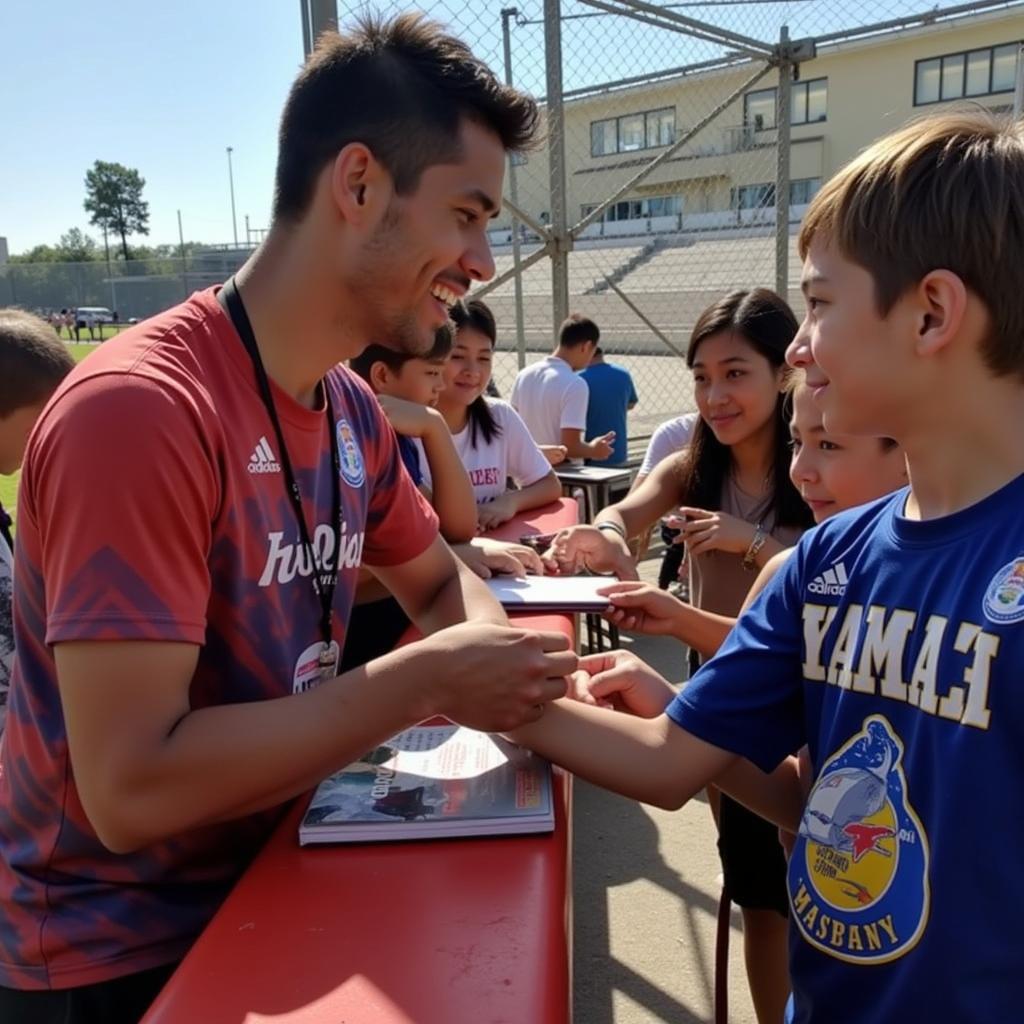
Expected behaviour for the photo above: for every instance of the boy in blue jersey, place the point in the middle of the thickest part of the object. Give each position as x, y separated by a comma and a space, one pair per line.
891, 641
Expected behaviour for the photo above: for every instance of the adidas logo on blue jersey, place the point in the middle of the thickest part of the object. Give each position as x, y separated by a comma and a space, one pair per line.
831, 583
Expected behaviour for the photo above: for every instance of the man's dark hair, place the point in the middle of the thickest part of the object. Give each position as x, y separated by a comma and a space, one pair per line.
576, 330
402, 88
33, 360
394, 360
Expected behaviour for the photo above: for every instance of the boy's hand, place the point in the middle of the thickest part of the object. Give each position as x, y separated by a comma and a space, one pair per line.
581, 548
642, 607
620, 677
409, 418
704, 531
556, 454
487, 558
494, 513
603, 446
495, 678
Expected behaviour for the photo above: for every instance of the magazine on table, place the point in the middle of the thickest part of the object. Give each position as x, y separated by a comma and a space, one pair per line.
431, 782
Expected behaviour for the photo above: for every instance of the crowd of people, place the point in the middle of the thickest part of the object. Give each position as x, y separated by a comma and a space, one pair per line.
284, 472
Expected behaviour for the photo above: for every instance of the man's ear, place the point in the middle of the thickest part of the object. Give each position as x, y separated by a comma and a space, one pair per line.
941, 305
360, 185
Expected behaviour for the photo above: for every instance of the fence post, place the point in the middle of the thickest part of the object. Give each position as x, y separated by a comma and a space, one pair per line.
508, 13
560, 240
783, 114
1018, 91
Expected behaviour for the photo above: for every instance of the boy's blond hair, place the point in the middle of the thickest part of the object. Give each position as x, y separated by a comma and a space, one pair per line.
945, 192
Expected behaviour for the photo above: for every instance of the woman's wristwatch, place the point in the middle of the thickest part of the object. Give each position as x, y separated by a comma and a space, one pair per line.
750, 558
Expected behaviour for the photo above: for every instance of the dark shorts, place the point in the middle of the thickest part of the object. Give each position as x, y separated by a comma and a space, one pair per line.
753, 861
118, 1001
374, 629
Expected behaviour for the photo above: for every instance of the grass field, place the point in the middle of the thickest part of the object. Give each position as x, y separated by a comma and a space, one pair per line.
9, 484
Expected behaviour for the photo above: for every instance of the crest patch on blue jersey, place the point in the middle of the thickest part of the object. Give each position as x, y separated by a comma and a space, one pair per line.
353, 470
1004, 599
858, 877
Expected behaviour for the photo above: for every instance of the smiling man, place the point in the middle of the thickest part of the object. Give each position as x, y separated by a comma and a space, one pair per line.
176, 678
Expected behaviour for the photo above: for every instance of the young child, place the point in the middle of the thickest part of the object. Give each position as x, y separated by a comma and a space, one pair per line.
33, 361
832, 472
407, 388
890, 641
490, 437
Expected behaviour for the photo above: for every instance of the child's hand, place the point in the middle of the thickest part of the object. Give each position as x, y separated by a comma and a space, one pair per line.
408, 418
642, 607
581, 548
620, 677
556, 454
704, 531
487, 558
494, 513
579, 689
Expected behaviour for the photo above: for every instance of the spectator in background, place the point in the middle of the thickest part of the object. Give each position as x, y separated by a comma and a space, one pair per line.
32, 364
552, 398
612, 395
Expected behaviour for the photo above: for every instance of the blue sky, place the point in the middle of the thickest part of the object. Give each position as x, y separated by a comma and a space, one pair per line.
166, 86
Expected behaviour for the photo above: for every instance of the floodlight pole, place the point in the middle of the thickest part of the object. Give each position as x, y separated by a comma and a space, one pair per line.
783, 113
231, 182
507, 14
184, 264
559, 240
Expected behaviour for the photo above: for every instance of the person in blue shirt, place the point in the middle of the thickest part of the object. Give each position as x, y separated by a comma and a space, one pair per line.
612, 395
891, 641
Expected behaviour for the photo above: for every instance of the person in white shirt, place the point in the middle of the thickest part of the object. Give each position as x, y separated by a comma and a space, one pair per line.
552, 398
491, 439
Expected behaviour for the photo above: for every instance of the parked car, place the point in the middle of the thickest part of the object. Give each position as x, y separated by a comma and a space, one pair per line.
99, 314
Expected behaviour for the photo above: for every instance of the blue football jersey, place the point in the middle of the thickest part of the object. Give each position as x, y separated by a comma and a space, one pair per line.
895, 650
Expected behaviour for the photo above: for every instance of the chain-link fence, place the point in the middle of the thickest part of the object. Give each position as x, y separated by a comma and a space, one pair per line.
683, 143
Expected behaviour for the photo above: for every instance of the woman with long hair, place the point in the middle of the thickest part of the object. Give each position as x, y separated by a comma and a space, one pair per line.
731, 497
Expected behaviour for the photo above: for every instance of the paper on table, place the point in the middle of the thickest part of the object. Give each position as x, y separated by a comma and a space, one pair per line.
552, 593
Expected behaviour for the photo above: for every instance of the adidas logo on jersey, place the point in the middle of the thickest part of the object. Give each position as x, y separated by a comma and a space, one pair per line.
831, 583
262, 459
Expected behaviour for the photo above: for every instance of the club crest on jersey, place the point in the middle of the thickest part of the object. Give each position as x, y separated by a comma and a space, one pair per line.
353, 472
1004, 599
858, 877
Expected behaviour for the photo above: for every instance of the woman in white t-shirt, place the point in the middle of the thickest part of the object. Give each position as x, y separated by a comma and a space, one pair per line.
491, 439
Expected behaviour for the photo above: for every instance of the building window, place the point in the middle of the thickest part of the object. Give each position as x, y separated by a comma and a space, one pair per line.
638, 209
971, 73
757, 197
646, 130
808, 104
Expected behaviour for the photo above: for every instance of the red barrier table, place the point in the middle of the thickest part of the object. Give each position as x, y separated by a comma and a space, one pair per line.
466, 931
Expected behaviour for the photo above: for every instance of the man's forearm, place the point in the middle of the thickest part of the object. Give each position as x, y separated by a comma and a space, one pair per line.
463, 597
221, 763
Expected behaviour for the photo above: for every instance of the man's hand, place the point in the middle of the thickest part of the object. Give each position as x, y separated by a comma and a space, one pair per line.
409, 418
556, 454
494, 513
580, 548
602, 447
488, 557
622, 679
495, 678
642, 608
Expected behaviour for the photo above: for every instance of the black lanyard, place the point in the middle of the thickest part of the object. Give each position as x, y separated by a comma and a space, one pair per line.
323, 586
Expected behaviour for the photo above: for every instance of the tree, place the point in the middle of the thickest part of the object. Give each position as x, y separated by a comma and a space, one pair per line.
75, 246
114, 200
